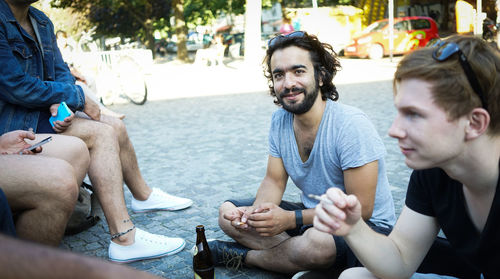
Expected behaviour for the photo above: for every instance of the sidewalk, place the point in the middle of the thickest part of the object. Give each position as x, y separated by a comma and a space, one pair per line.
173, 80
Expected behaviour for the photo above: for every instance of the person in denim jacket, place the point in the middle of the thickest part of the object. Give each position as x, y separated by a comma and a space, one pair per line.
28, 74
34, 80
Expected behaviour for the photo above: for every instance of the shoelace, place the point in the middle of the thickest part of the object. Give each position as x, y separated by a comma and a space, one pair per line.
162, 194
155, 238
232, 259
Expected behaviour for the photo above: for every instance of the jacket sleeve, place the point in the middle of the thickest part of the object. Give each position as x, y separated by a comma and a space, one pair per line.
19, 88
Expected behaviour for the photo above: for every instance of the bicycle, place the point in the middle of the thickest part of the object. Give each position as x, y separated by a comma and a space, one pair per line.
118, 75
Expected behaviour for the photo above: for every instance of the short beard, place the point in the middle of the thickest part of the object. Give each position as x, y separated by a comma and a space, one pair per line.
305, 105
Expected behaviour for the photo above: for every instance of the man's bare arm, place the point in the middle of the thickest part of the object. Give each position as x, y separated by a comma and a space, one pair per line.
274, 183
362, 182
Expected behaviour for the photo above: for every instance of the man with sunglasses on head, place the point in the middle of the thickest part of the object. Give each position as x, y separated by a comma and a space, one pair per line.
448, 127
319, 143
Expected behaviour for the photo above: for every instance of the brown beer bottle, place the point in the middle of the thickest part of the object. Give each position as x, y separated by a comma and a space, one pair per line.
203, 264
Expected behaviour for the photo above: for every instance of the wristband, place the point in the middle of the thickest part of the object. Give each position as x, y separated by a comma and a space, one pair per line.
298, 219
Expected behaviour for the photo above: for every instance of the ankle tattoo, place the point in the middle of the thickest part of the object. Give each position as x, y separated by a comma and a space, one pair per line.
116, 235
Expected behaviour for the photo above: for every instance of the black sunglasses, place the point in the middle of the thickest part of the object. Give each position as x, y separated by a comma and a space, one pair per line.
444, 51
295, 34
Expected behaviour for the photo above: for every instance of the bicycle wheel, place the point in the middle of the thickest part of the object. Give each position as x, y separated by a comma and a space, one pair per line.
132, 82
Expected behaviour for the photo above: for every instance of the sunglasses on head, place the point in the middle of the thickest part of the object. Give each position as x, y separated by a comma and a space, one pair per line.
445, 50
295, 34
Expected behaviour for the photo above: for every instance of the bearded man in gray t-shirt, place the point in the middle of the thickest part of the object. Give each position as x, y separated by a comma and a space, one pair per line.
319, 144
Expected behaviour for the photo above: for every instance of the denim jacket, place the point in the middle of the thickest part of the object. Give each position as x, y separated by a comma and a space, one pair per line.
32, 78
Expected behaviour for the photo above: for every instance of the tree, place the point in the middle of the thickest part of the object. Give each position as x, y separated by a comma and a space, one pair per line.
124, 18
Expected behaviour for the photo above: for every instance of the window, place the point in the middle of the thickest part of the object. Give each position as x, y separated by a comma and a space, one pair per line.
420, 24
401, 26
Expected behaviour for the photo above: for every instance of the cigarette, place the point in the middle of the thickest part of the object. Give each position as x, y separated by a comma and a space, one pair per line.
239, 223
320, 198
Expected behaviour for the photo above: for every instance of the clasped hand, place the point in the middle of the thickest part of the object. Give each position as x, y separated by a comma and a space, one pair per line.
267, 219
339, 217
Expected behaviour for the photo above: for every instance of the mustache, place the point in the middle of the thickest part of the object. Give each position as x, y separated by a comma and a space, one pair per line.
293, 90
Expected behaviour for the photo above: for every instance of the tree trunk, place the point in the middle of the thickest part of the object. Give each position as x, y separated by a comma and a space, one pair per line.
148, 28
180, 29
445, 23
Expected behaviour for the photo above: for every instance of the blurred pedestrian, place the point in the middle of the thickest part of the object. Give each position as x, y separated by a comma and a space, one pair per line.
286, 26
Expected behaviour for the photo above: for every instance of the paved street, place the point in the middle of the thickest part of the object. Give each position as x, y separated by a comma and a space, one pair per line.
213, 147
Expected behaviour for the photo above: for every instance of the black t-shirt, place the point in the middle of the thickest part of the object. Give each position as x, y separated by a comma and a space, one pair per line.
433, 193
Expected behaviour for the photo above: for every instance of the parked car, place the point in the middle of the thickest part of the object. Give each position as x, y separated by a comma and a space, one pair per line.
409, 33
234, 40
191, 46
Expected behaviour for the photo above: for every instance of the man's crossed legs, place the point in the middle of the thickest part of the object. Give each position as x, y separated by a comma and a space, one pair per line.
287, 252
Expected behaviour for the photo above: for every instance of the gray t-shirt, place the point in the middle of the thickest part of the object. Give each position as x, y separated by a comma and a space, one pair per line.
345, 139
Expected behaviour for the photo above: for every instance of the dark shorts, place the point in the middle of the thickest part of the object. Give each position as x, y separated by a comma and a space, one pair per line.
6, 221
43, 126
345, 257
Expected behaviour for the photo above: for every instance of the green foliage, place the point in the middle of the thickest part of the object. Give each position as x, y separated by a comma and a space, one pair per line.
308, 3
124, 18
139, 18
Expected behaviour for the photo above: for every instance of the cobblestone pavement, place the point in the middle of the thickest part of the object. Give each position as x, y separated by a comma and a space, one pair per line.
215, 147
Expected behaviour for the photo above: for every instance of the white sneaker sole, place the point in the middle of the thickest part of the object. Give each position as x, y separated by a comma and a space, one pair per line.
173, 208
175, 251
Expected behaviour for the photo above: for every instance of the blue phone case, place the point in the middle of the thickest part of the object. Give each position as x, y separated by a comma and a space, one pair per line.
62, 112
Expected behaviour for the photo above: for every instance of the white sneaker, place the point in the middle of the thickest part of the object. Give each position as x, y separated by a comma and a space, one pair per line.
159, 200
146, 246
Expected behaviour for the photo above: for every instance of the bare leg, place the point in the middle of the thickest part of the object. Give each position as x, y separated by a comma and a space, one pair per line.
357, 273
282, 253
130, 168
36, 261
43, 191
70, 149
105, 173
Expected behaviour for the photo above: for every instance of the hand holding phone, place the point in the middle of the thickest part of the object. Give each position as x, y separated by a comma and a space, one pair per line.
34, 146
62, 112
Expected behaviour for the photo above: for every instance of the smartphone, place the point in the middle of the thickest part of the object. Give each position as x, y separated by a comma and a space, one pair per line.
40, 143
62, 112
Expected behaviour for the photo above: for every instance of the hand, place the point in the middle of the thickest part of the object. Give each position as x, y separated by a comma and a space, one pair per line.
91, 108
13, 142
268, 219
239, 216
337, 218
77, 75
60, 126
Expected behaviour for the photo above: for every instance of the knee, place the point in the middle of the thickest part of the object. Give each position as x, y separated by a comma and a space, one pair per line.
63, 188
81, 151
105, 133
223, 222
225, 207
118, 126
319, 248
356, 273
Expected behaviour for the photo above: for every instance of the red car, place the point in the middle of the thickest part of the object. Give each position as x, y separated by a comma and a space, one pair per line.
409, 33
